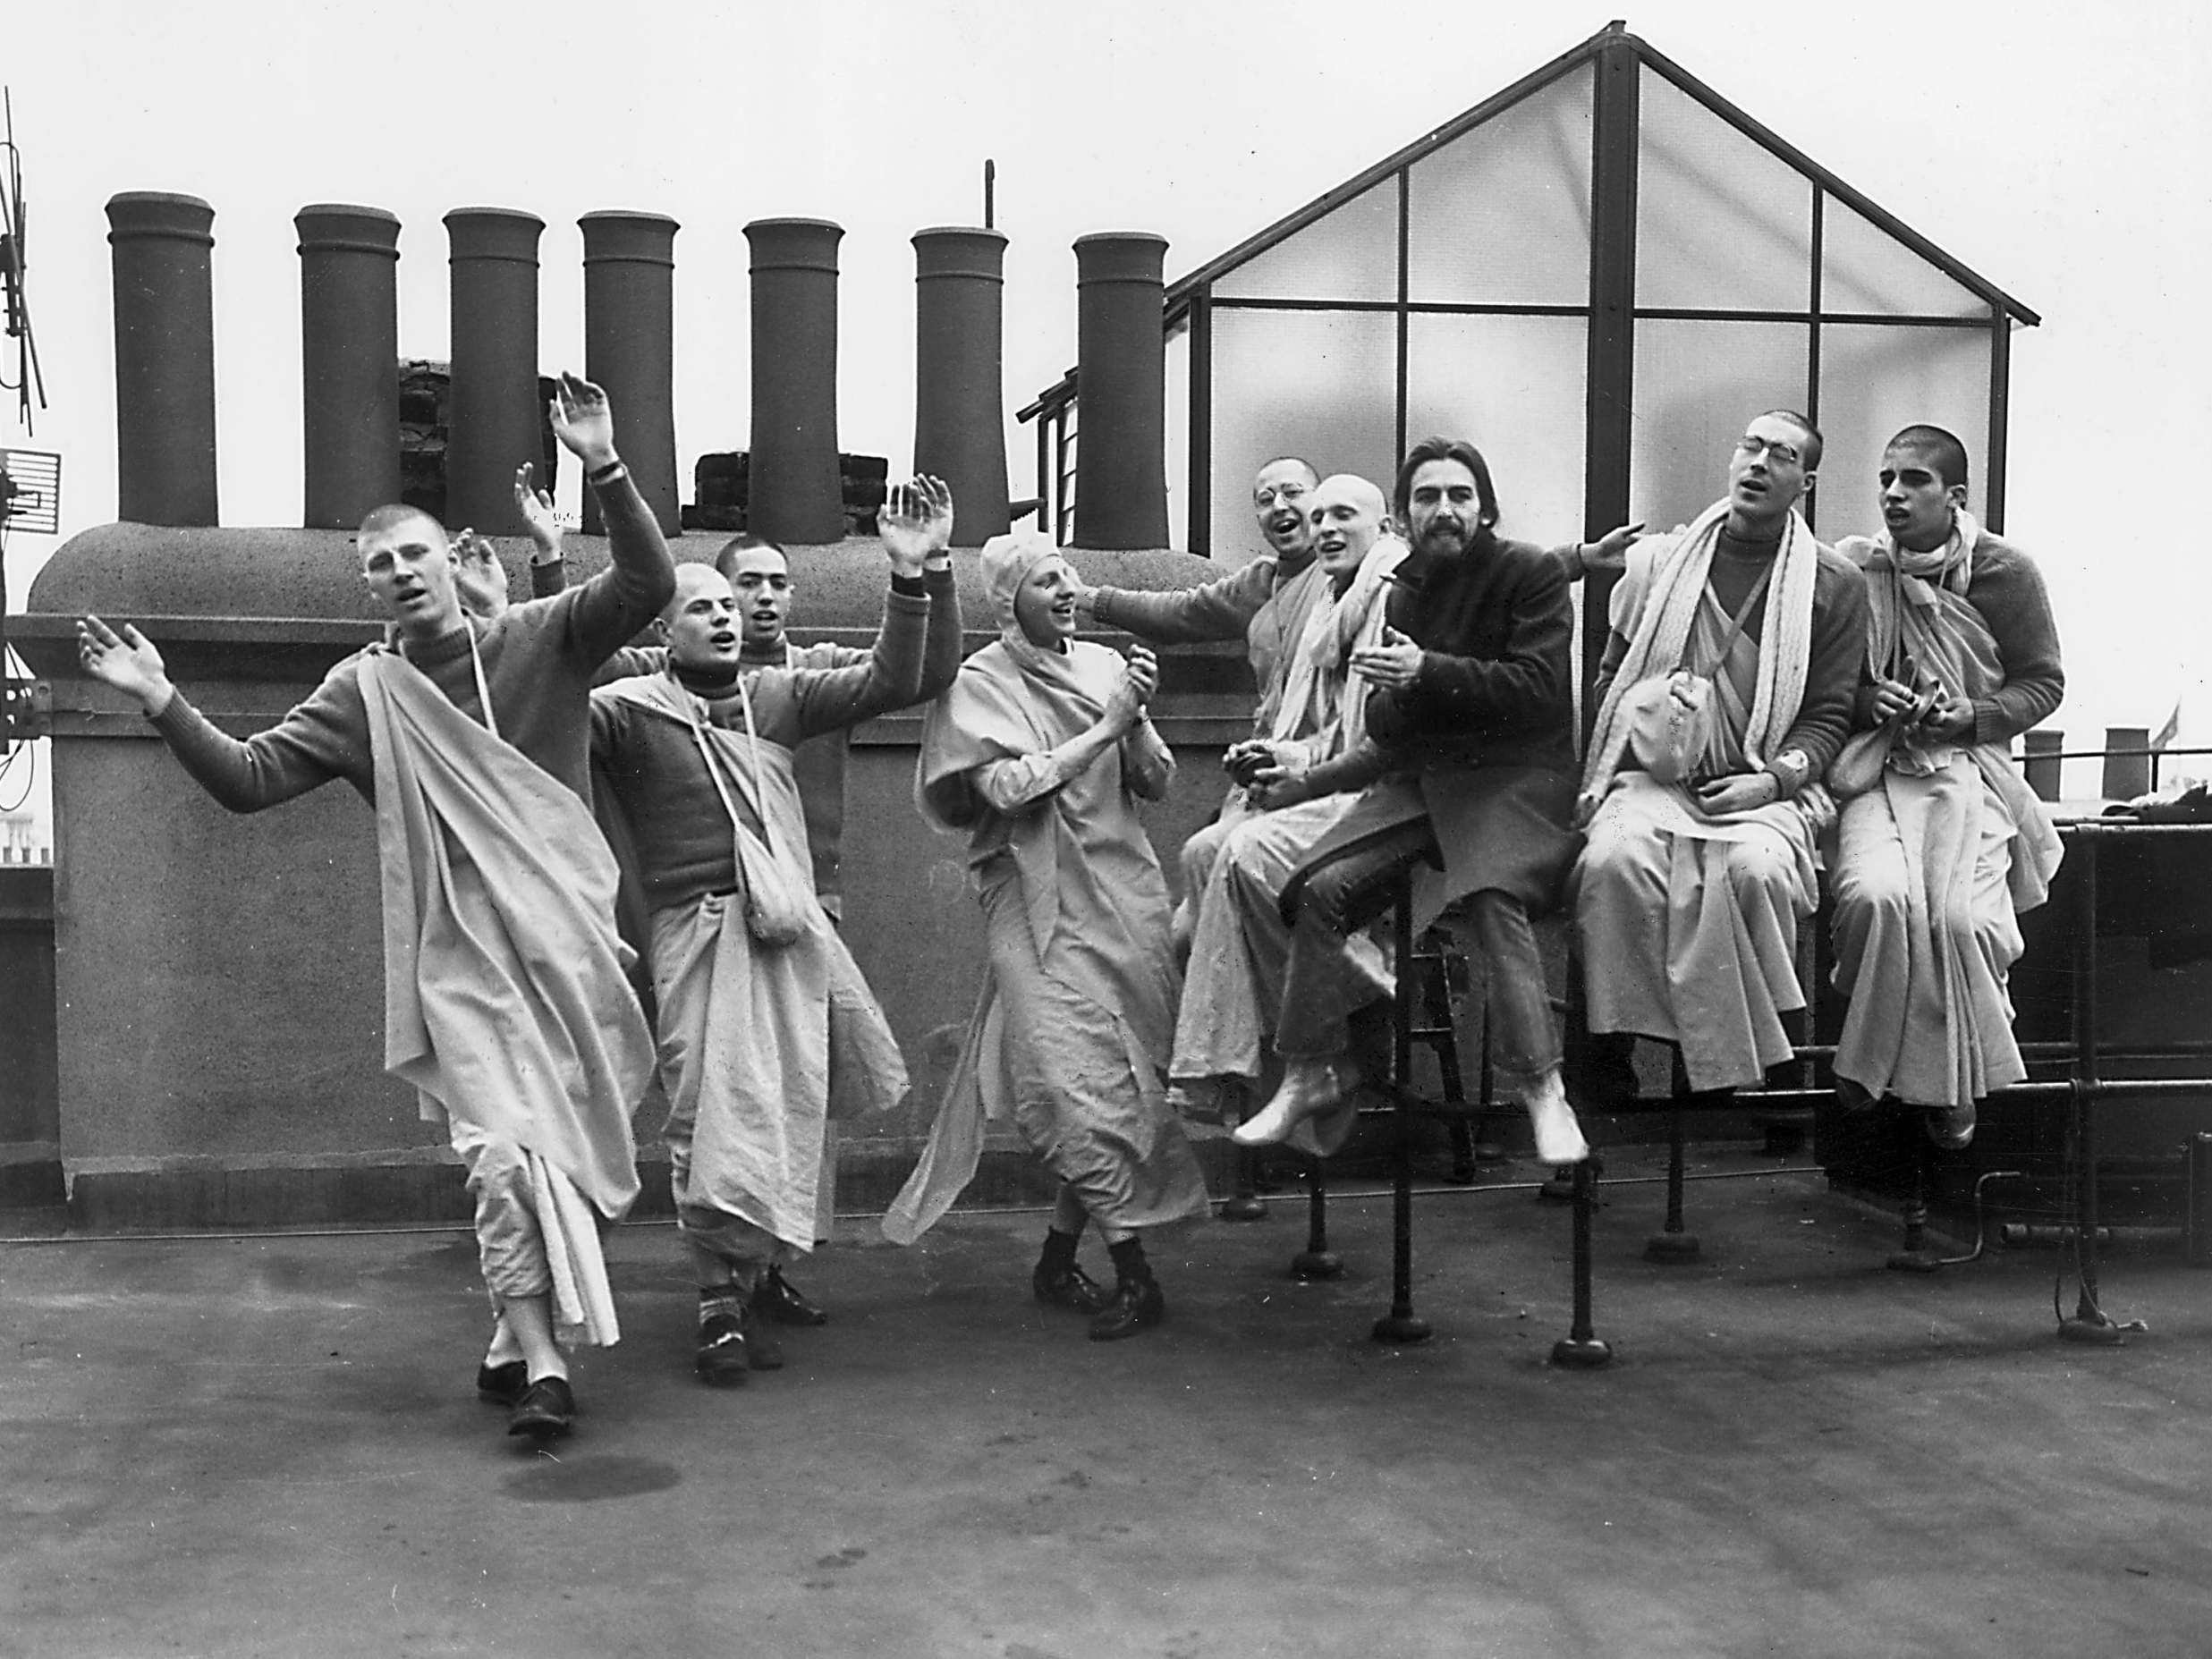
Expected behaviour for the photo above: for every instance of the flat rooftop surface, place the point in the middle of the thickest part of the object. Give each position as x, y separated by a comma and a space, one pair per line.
270, 1445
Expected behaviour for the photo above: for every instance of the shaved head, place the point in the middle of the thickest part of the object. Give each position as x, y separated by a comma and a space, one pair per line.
1346, 514
1348, 487
392, 515
693, 581
1941, 450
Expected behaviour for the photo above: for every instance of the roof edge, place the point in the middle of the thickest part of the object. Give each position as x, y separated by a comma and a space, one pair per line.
1851, 196
1179, 291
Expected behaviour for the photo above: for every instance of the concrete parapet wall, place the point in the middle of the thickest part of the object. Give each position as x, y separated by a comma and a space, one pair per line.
219, 978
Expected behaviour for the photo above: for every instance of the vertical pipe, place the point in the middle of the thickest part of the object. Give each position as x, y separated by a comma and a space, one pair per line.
1121, 463
165, 357
960, 420
1201, 535
1610, 390
348, 361
796, 494
495, 418
630, 273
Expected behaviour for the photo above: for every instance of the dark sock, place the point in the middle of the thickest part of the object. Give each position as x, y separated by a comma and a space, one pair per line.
1059, 1249
1129, 1266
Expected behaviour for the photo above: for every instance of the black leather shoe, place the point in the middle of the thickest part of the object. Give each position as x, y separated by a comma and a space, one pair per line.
1068, 1287
777, 1299
1134, 1308
763, 1351
502, 1384
724, 1356
546, 1409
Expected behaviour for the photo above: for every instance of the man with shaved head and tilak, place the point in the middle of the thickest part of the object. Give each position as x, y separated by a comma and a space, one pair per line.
1941, 844
767, 1029
1472, 706
505, 1003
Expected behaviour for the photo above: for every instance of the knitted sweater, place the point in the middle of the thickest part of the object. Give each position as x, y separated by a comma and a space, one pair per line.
539, 661
2008, 589
676, 820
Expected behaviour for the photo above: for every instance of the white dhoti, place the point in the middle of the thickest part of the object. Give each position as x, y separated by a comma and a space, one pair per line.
747, 1033
506, 1003
1689, 924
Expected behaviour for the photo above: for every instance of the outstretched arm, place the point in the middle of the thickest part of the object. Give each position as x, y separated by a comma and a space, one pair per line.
314, 744
1609, 552
1219, 610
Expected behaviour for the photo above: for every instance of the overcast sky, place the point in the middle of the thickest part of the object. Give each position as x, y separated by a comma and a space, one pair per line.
2060, 149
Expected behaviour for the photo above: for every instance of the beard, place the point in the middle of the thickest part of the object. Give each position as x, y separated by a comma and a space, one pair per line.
1445, 539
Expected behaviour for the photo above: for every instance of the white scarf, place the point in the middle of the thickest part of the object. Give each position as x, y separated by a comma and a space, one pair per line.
1319, 691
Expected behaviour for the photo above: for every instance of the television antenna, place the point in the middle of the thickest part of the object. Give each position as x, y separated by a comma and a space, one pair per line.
30, 482
27, 384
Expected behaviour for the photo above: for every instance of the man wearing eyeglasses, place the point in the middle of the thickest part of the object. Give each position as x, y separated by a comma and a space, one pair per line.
1726, 689
1942, 843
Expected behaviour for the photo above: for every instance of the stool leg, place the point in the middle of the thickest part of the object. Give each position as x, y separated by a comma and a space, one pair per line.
1398, 1325
1673, 1243
1917, 1256
1243, 1202
1437, 999
1317, 1260
1582, 1349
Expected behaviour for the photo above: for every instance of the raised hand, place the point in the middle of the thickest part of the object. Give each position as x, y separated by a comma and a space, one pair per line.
478, 577
583, 421
915, 522
535, 506
126, 661
1391, 666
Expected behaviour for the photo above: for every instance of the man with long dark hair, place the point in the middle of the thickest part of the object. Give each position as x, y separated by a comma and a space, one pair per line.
1473, 708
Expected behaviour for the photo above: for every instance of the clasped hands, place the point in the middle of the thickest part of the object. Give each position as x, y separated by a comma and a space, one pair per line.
1941, 716
1141, 677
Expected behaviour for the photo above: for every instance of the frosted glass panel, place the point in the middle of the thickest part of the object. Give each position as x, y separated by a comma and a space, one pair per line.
1875, 379
1697, 384
1178, 367
1865, 268
1349, 253
1318, 384
1513, 387
1720, 221
1502, 215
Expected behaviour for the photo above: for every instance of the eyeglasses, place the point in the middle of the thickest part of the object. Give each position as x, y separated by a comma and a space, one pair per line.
1788, 455
1287, 494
